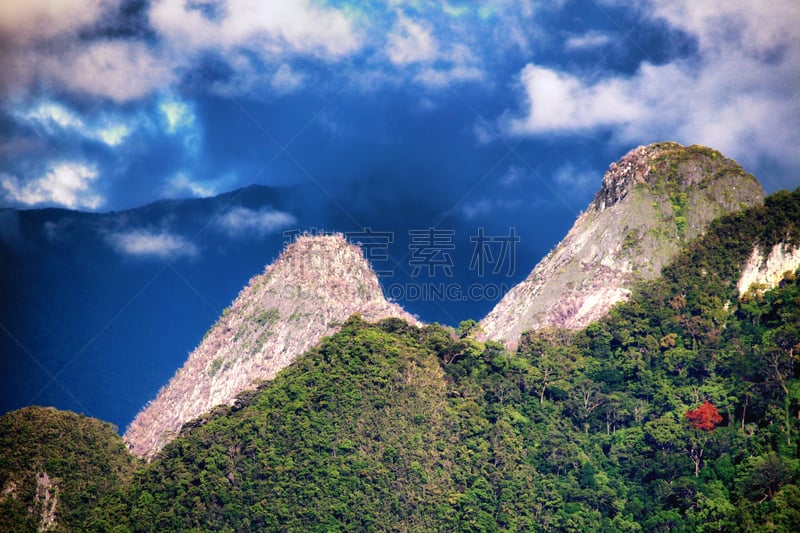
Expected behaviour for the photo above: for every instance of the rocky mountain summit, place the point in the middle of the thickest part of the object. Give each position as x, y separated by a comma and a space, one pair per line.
312, 288
654, 199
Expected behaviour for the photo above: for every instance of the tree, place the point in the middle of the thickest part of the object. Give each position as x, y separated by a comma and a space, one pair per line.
586, 398
762, 477
553, 358
467, 328
694, 450
705, 417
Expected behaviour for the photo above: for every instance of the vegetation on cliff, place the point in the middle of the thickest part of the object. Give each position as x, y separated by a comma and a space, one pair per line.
55, 466
652, 202
679, 411
313, 287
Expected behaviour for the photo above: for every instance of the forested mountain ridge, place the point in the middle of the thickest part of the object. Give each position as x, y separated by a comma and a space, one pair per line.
614, 427
55, 467
652, 201
676, 412
307, 293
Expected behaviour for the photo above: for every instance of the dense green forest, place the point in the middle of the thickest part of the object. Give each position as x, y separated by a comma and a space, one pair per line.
680, 411
59, 465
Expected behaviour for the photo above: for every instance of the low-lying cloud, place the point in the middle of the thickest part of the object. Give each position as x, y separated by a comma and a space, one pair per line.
240, 221
153, 244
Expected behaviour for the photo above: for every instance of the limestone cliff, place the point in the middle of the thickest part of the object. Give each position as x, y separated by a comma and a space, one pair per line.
651, 201
314, 286
766, 270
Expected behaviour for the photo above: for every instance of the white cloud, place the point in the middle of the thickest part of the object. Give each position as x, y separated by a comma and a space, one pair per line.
34, 20
181, 185
411, 42
50, 114
43, 42
455, 11
53, 117
478, 207
120, 70
240, 220
286, 80
249, 35
739, 94
178, 115
113, 134
486, 132
592, 39
67, 184
52, 44
267, 29
144, 243
178, 118
335, 126
753, 27
561, 102
426, 105
441, 77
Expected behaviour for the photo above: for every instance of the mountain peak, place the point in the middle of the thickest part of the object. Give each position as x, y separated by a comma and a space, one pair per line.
633, 168
307, 293
651, 201
664, 164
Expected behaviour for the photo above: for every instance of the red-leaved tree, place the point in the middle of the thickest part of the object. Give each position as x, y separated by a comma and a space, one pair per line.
705, 417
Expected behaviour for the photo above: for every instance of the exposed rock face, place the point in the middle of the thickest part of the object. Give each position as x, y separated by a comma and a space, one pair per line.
313, 287
767, 270
651, 201
44, 503
47, 500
